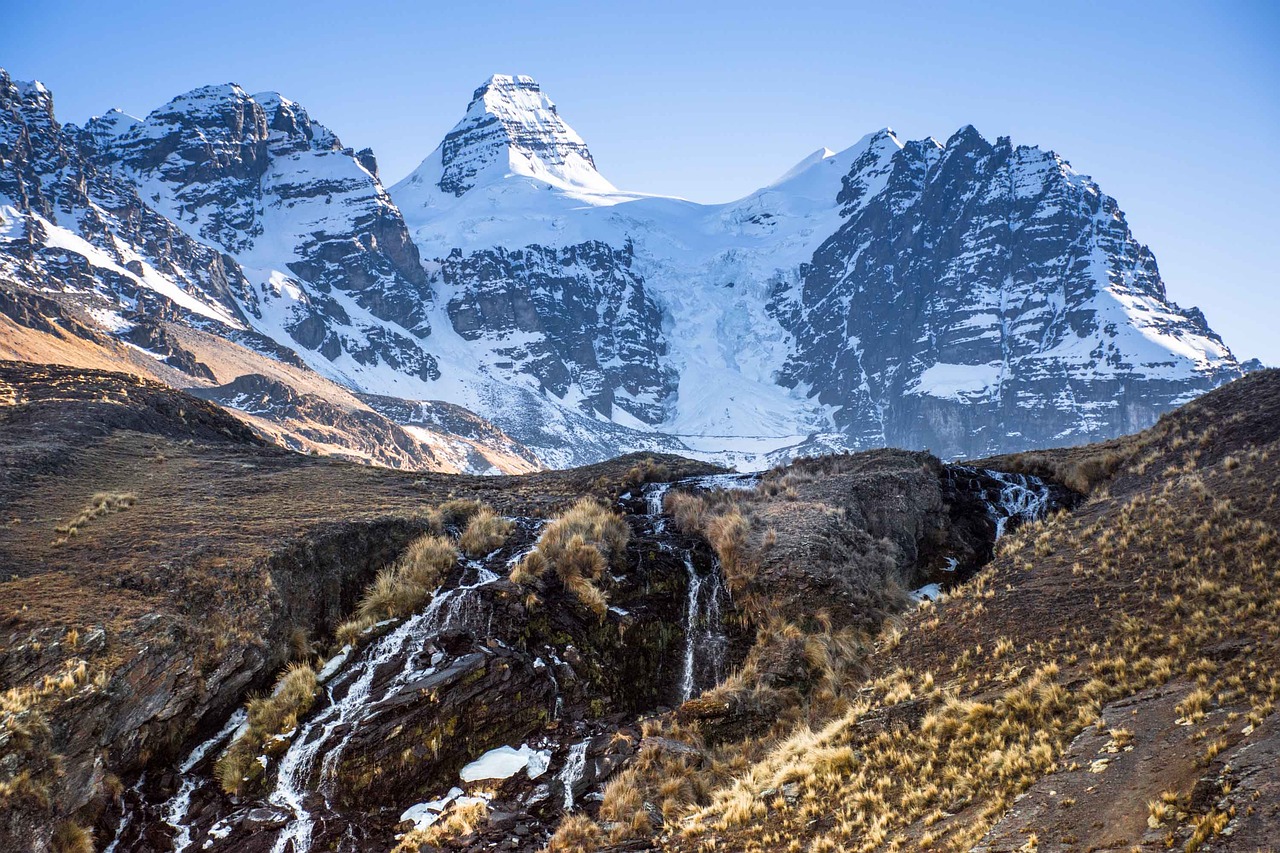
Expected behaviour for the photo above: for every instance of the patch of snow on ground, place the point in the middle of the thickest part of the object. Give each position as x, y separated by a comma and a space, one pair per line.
928, 592
505, 762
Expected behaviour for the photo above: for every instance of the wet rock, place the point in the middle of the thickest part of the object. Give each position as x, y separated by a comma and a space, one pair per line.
265, 818
671, 747
416, 741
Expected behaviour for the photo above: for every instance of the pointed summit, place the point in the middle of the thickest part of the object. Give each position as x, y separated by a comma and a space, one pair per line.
511, 128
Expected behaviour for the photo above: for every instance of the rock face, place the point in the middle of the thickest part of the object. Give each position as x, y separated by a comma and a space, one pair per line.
969, 297
983, 295
577, 319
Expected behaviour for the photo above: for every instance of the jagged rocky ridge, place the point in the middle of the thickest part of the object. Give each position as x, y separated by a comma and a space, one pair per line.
85, 256
966, 296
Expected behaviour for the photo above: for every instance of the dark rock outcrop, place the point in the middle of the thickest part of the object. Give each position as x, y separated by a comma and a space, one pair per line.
979, 296
592, 327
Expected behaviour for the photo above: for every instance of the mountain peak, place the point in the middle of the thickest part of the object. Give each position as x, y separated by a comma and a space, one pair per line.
512, 128
503, 82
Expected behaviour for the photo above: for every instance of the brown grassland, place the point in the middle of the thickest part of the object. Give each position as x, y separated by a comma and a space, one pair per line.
925, 734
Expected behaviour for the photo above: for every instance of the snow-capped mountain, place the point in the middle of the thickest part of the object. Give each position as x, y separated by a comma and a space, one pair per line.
969, 297
965, 296
94, 275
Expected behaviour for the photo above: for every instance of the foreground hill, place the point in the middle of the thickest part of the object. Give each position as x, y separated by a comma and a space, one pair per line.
163, 565
689, 660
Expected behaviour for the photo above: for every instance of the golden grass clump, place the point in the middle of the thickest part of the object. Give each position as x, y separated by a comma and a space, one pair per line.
529, 569
100, 504
647, 470
402, 587
576, 833
71, 838
688, 511
728, 534
579, 545
486, 532
461, 820
453, 514
269, 717
719, 518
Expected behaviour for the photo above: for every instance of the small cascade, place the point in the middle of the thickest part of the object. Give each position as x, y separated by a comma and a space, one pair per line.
654, 496
402, 650
130, 813
1008, 501
705, 640
694, 588
175, 811
574, 766
1022, 497
1010, 498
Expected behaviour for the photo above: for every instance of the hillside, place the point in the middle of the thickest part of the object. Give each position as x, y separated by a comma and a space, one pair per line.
1108, 682
742, 660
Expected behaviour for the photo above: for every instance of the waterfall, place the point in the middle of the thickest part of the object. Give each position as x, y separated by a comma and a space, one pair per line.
694, 586
1022, 497
400, 648
705, 641
574, 765
1019, 498
654, 496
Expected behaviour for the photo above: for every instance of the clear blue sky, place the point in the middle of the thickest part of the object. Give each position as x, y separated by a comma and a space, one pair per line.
1173, 107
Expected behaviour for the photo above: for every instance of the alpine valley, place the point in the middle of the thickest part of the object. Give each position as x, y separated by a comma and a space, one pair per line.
505, 308
339, 518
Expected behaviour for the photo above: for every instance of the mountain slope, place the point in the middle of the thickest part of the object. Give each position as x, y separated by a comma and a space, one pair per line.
965, 296
1106, 682
968, 297
93, 275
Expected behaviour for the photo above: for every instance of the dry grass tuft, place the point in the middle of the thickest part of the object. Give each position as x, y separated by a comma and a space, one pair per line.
485, 533
270, 717
100, 504
577, 833
460, 821
402, 587
722, 519
72, 838
579, 545
728, 533
647, 470
456, 513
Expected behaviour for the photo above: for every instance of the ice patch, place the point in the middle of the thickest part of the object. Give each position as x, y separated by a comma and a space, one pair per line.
505, 762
